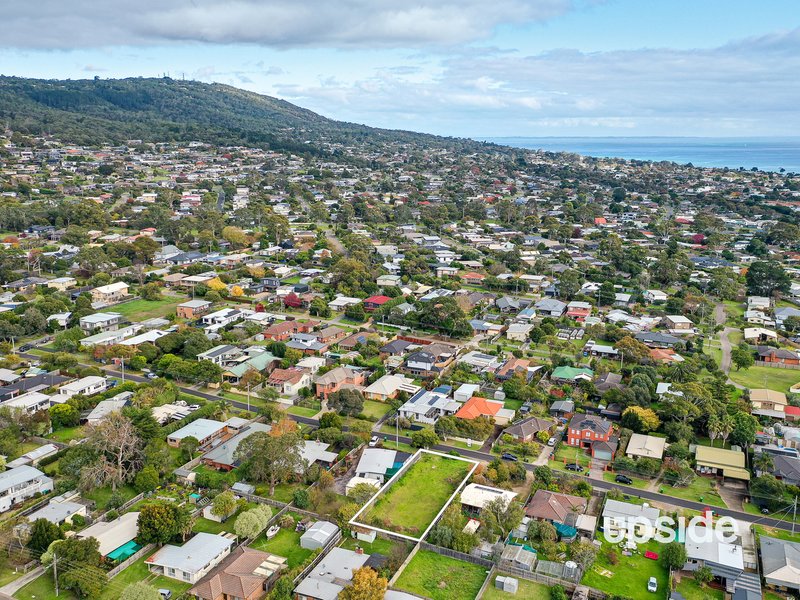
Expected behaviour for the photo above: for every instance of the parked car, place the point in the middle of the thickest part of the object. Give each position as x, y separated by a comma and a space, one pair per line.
165, 594
373, 441
25, 347
574, 467
509, 456
151, 376
623, 479
652, 584
551, 441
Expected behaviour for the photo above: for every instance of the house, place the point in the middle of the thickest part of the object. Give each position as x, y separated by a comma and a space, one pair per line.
466, 391
389, 280
721, 462
481, 407
654, 296
780, 563
85, 386
646, 446
609, 381
478, 362
528, 429
678, 324
245, 574
205, 431
380, 464
192, 309
555, 507
759, 335
592, 348
655, 339
785, 468
341, 302
427, 406
579, 310
375, 302
761, 303
431, 360
62, 284
769, 354
474, 497
289, 382
255, 359
571, 374
331, 334
726, 561
396, 347
318, 535
562, 408
518, 332
585, 431
665, 356
316, 452
336, 379
29, 402
331, 575
59, 510
223, 456
113, 535
110, 294
106, 407
768, 403
550, 307
220, 355
619, 517
192, 561
515, 366
20, 483
388, 386
100, 322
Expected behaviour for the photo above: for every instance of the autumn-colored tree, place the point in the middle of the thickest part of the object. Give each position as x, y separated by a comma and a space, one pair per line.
367, 585
237, 291
216, 284
641, 420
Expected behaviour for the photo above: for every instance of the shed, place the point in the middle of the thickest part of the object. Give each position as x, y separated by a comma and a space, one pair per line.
318, 535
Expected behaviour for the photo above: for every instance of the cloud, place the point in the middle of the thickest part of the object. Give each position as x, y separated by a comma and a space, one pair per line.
749, 84
275, 23
93, 69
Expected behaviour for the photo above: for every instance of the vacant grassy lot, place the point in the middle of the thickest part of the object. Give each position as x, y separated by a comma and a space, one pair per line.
140, 310
779, 380
638, 484
691, 590
375, 410
629, 576
699, 490
414, 500
530, 590
441, 578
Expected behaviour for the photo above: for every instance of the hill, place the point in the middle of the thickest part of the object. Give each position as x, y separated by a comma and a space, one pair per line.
93, 111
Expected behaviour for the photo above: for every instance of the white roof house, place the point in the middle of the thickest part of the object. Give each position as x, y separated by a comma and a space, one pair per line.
388, 385
714, 551
30, 402
58, 512
203, 430
619, 515
331, 575
93, 384
477, 496
193, 560
647, 446
113, 534
315, 451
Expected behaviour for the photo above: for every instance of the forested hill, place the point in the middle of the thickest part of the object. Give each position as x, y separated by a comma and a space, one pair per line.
92, 111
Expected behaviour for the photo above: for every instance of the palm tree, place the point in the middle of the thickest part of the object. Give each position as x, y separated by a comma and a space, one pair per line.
762, 461
725, 428
680, 372
712, 427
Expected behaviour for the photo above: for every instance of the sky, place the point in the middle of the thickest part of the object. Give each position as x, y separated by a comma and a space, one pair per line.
473, 68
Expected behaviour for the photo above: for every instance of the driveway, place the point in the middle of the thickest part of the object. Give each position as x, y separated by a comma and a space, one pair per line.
544, 456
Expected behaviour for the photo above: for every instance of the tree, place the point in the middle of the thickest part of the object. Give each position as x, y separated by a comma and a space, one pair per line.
319, 308
64, 415
762, 461
766, 277
223, 505
366, 585
150, 291
271, 458
703, 575
330, 419
161, 521
424, 438
361, 493
188, 447
347, 402
742, 357
583, 553
252, 522
768, 490
87, 581
632, 349
674, 555
120, 452
140, 591
500, 516
744, 430
641, 420
355, 312
146, 480
43, 533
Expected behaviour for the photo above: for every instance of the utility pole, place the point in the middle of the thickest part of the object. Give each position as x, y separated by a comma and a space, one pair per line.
397, 431
248, 396
794, 513
122, 362
55, 570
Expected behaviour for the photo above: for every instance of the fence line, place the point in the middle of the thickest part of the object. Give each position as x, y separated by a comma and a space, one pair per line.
475, 560
331, 543
130, 560
776, 365
569, 586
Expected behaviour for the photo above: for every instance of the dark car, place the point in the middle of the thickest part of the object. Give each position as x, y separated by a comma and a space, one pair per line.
25, 347
623, 479
509, 456
574, 467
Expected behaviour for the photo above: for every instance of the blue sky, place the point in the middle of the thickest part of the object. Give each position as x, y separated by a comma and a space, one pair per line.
452, 67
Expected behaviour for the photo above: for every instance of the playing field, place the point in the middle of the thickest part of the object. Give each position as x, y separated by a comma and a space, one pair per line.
412, 502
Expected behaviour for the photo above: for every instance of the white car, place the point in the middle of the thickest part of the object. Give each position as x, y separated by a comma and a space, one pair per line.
551, 441
652, 584
373, 441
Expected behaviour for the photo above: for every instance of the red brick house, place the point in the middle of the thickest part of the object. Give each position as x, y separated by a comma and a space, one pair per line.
592, 433
375, 302
777, 355
473, 278
336, 379
579, 310
283, 330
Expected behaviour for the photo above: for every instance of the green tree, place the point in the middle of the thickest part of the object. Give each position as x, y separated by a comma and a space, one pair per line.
766, 277
188, 447
703, 575
271, 458
43, 533
742, 357
146, 480
348, 402
424, 438
140, 591
674, 555
161, 521
223, 505
499, 516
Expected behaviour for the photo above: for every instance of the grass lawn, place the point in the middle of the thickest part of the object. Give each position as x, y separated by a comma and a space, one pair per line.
208, 526
138, 572
568, 454
7, 575
286, 543
375, 410
102, 495
779, 380
691, 590
781, 534
139, 310
734, 308
379, 546
42, 588
629, 576
302, 411
530, 590
638, 484
440, 577
67, 434
513, 404
699, 491
414, 500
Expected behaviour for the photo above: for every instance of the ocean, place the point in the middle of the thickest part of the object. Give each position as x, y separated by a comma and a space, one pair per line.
766, 154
